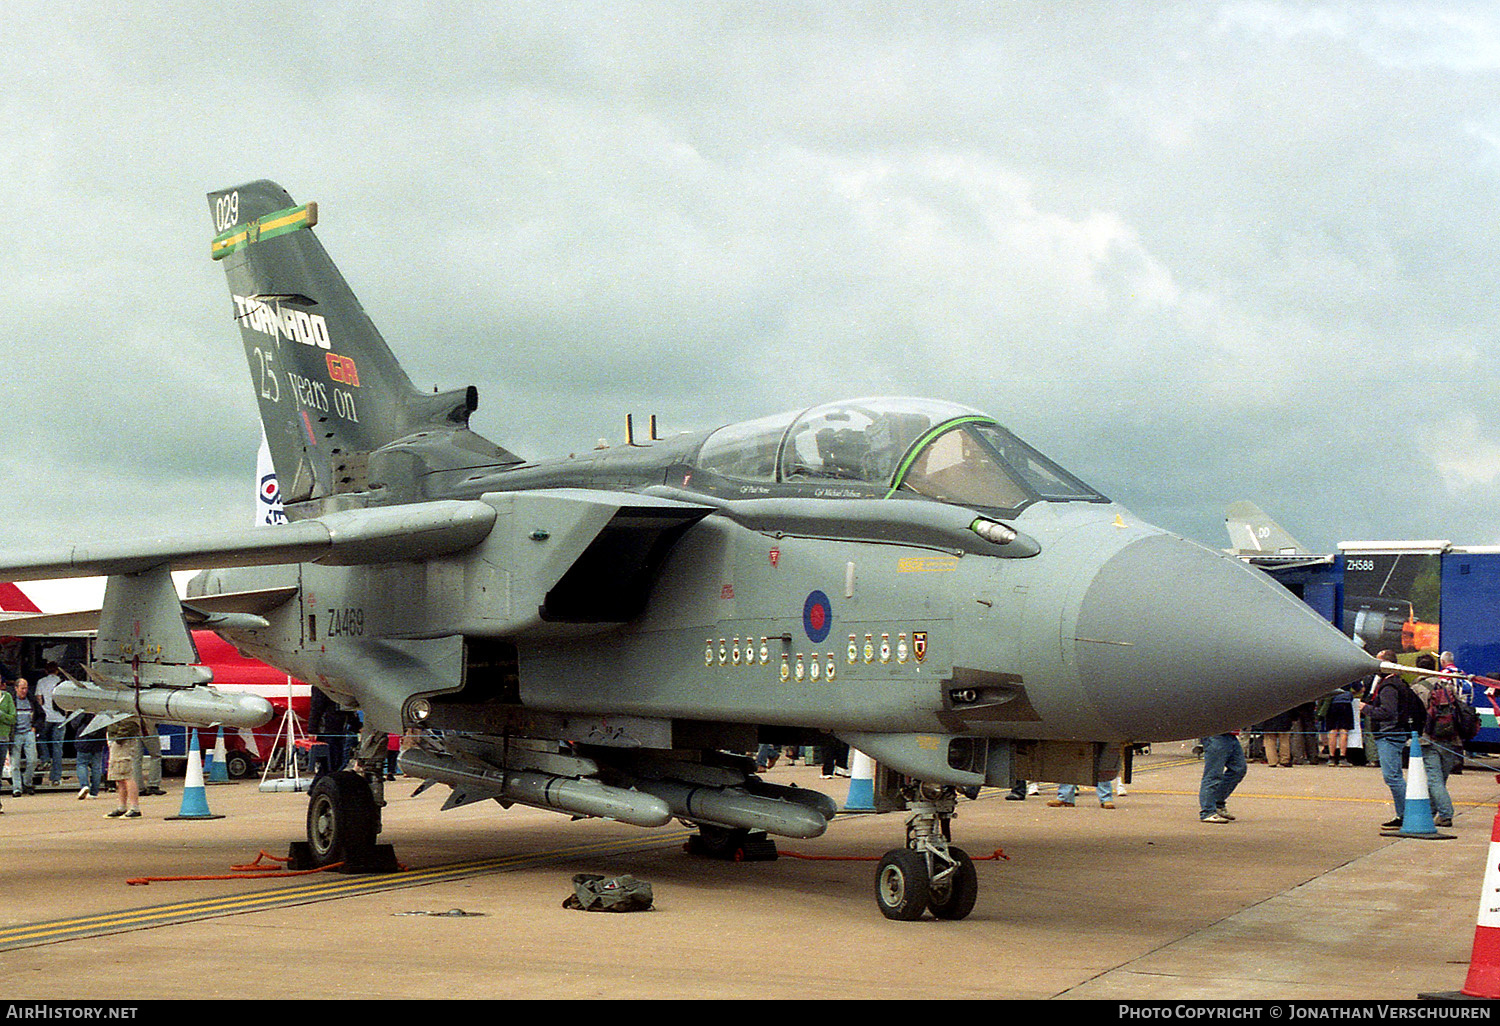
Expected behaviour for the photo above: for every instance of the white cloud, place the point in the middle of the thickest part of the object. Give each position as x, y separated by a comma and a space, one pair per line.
1189, 249
1466, 456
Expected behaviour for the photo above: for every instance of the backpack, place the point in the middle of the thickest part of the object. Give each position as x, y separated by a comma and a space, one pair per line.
1449, 718
593, 893
1409, 712
1468, 720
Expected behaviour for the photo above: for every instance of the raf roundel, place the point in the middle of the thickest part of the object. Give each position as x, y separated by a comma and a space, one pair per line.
817, 617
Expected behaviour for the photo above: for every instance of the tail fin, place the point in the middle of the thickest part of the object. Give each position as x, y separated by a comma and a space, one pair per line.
268, 508
1252, 531
331, 392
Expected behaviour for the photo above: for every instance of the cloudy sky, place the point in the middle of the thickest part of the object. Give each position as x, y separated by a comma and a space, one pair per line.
1196, 252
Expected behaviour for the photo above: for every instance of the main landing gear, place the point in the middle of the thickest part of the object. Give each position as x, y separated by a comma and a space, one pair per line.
343, 819
929, 873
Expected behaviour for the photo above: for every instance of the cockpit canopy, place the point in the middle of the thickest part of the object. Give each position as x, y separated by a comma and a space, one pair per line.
887, 447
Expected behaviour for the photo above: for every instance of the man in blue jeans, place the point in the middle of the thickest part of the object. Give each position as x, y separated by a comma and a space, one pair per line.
23, 740
52, 731
1223, 769
1395, 714
1067, 795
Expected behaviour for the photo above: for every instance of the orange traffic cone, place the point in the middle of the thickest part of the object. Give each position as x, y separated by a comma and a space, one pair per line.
1484, 962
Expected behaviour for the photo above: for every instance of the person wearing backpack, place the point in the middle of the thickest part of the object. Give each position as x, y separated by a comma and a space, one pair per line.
1441, 736
1468, 716
1395, 713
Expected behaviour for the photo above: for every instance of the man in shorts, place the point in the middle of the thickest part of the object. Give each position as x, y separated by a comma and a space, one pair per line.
124, 737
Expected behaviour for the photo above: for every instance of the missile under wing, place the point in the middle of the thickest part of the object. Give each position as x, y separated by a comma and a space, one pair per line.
608, 633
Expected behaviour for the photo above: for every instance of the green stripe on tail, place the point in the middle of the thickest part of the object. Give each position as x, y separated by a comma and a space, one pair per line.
269, 227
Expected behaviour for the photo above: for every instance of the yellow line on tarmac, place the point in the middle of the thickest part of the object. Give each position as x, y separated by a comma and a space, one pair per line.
1278, 797
1170, 765
322, 889
1375, 800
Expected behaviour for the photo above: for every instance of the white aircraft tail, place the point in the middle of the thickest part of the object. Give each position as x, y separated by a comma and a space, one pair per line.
268, 508
1252, 531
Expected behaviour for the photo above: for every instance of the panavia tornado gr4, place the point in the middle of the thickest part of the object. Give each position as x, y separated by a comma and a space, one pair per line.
607, 633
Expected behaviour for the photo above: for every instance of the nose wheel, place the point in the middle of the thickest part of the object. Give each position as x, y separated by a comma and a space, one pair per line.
903, 884
929, 874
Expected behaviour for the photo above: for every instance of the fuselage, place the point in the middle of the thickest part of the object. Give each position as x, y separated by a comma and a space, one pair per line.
837, 583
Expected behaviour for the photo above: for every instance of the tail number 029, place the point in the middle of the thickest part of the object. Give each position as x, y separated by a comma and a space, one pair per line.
227, 211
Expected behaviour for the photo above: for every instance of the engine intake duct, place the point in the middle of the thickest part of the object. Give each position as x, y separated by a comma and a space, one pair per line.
731, 807
579, 797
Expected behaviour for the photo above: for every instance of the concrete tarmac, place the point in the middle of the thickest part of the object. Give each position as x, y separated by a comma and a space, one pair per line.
1301, 898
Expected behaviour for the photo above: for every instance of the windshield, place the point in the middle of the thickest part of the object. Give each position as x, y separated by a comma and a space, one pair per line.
977, 462
1043, 477
936, 450
956, 467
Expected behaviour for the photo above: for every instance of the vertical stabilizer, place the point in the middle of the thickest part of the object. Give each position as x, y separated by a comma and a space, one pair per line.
1251, 531
268, 508
330, 390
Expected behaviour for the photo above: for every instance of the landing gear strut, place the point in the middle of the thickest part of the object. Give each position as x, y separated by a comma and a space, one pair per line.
929, 873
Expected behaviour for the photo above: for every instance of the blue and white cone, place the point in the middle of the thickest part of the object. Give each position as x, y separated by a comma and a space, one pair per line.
861, 783
218, 762
194, 797
1416, 818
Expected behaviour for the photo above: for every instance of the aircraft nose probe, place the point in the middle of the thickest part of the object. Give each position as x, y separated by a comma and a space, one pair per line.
1230, 646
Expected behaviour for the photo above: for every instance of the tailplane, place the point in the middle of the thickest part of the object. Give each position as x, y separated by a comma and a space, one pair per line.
343, 422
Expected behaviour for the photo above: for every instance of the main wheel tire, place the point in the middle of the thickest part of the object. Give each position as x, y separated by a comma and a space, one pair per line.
902, 888
721, 842
342, 818
954, 897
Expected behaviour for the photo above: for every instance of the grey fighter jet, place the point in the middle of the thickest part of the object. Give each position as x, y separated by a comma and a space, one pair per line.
606, 633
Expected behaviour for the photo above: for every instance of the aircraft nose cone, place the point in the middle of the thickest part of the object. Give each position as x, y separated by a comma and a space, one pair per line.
1174, 641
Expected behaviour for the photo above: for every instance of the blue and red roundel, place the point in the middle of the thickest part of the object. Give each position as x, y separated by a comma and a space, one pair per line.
817, 617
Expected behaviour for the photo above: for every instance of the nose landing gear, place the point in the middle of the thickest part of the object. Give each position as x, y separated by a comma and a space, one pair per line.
929, 873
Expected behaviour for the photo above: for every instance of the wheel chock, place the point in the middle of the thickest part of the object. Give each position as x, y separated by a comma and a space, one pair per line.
755, 848
379, 859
